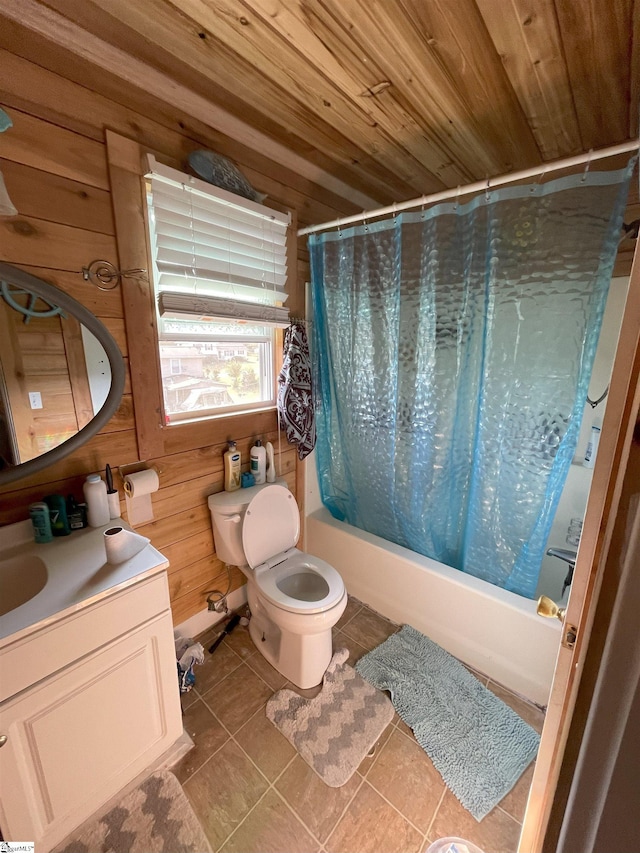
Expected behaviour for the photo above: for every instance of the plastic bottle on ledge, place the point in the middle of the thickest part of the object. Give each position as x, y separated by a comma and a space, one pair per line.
95, 494
232, 465
592, 446
258, 459
271, 465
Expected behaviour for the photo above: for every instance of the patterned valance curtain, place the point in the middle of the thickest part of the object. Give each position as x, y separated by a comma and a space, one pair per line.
453, 350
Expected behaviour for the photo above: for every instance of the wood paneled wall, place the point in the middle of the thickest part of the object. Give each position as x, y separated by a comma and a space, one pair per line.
54, 162
55, 165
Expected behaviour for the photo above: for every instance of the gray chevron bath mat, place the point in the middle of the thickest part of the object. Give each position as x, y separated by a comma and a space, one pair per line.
477, 743
335, 730
155, 817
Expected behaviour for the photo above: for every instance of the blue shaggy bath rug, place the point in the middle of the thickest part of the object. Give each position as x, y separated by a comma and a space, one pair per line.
479, 745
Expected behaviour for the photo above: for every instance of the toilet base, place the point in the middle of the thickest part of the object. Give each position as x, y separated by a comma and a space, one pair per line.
301, 658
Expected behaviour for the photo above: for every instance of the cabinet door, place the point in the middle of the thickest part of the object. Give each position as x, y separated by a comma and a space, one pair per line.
77, 738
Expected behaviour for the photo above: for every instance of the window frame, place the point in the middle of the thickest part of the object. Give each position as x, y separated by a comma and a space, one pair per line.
175, 189
127, 166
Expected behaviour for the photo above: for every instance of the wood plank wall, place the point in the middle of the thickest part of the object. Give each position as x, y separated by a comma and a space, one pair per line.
55, 167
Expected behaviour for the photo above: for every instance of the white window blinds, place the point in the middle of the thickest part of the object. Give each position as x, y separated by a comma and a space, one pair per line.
216, 254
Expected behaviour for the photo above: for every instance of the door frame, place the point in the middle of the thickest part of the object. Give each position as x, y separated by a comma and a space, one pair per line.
620, 419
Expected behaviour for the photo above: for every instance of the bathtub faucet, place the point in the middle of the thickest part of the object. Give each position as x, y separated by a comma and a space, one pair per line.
569, 557
563, 554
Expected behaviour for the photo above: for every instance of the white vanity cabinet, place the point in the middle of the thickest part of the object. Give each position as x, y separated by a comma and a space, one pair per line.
93, 702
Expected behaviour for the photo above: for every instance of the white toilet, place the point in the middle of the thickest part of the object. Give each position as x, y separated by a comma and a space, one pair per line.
295, 599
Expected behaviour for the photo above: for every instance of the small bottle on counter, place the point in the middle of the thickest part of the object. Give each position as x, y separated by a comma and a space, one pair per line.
95, 494
76, 513
39, 515
58, 515
592, 446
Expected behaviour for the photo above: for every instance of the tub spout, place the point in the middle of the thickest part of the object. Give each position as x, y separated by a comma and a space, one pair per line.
563, 554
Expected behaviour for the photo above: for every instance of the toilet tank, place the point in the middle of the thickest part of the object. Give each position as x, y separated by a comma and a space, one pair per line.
227, 515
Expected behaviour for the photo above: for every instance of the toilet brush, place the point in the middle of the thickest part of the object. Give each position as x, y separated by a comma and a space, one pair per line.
231, 624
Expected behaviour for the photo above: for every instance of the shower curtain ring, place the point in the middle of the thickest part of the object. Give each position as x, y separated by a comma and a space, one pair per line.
486, 192
587, 165
458, 191
538, 183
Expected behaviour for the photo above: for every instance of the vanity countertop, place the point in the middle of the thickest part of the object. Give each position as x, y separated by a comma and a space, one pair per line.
77, 574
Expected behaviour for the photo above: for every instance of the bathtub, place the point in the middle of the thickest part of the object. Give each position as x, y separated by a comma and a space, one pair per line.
494, 631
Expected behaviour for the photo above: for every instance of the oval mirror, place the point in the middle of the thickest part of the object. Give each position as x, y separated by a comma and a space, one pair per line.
61, 374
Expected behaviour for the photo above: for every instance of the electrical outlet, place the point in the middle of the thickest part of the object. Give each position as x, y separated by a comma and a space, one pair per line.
35, 399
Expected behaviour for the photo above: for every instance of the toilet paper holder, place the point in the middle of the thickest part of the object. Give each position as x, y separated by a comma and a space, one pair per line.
140, 481
134, 468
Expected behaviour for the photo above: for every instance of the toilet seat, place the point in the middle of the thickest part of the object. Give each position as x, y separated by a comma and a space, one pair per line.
269, 533
278, 583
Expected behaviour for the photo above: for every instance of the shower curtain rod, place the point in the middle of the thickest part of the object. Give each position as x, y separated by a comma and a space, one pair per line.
479, 186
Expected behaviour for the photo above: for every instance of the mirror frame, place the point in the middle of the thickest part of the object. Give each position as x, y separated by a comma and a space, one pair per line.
55, 296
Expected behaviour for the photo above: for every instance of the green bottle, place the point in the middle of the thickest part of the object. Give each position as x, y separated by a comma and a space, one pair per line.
58, 515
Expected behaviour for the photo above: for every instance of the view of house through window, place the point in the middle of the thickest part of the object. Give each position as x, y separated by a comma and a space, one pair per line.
207, 365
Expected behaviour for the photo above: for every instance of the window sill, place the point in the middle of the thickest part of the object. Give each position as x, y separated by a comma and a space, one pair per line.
227, 415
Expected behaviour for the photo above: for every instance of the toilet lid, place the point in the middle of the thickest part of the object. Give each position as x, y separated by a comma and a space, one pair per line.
271, 525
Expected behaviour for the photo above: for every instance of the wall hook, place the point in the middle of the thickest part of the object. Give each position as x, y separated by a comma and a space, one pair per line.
106, 276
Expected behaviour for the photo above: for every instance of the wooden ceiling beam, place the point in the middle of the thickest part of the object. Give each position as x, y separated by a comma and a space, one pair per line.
86, 112
170, 42
364, 102
69, 36
240, 51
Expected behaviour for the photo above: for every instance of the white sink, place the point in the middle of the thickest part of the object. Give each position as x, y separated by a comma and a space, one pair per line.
21, 578
41, 583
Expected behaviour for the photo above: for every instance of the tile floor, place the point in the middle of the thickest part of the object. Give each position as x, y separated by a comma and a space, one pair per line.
254, 794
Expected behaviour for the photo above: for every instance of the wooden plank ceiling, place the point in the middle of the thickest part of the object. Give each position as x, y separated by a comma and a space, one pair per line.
375, 100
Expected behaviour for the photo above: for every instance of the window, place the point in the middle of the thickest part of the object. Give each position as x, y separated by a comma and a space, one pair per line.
220, 270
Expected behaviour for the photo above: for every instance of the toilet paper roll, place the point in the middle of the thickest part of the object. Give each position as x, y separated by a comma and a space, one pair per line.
138, 488
122, 544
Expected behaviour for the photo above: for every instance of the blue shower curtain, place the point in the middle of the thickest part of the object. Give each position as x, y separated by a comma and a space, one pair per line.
453, 348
